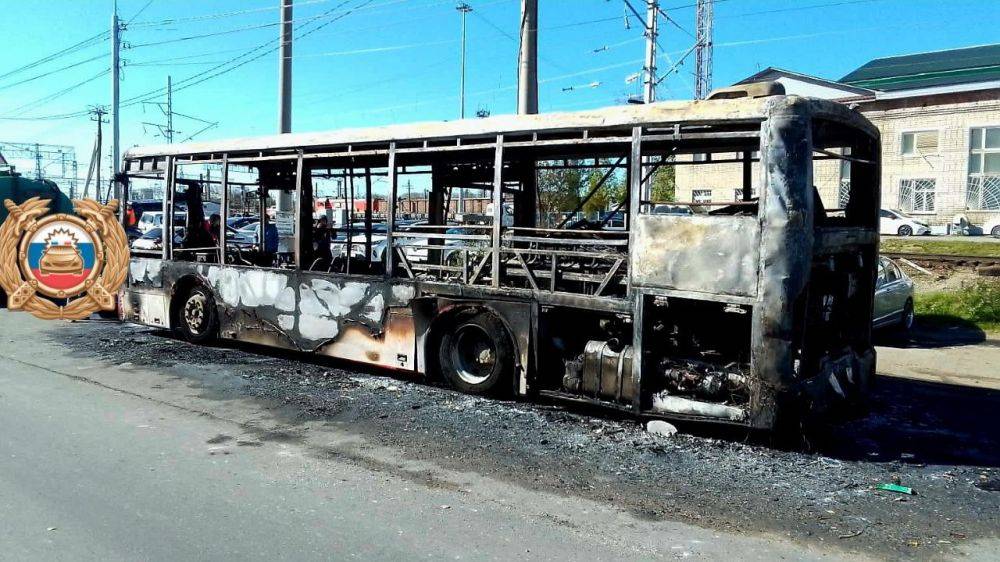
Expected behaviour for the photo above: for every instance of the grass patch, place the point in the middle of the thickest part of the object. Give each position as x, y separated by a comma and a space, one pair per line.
928, 245
977, 302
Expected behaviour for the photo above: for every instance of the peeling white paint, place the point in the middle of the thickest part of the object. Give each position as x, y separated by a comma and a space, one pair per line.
286, 321
252, 287
375, 309
403, 293
318, 327
323, 298
286, 300
145, 270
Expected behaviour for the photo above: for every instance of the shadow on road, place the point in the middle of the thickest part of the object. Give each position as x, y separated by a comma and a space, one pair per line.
919, 422
932, 331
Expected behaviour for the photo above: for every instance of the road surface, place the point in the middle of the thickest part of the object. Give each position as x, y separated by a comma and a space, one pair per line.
113, 462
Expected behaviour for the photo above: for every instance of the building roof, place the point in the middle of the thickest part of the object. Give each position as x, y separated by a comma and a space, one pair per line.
796, 83
926, 70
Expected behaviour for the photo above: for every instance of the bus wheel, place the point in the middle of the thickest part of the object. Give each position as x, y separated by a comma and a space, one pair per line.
476, 355
197, 318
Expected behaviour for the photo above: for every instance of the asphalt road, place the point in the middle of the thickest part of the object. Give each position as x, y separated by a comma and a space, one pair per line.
119, 461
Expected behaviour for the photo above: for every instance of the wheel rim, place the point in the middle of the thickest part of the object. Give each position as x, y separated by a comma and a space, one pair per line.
905, 231
908, 317
473, 354
995, 231
194, 313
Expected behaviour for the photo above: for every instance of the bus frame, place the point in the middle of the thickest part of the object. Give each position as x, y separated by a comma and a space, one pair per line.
780, 286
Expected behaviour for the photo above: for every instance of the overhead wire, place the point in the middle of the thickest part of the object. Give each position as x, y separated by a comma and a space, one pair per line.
219, 70
51, 72
43, 100
90, 41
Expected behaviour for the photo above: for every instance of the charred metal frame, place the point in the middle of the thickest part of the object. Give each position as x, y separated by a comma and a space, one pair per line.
389, 320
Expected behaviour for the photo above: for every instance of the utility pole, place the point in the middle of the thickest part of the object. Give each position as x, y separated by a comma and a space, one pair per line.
464, 9
115, 109
649, 90
97, 114
170, 111
285, 70
703, 50
38, 162
527, 64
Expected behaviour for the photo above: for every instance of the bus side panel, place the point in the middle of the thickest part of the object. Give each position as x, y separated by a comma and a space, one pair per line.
145, 301
359, 319
713, 255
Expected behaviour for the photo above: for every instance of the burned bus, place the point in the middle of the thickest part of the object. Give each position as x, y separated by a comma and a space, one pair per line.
745, 309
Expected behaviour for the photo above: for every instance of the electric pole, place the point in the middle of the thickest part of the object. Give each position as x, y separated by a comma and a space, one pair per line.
649, 90
527, 64
115, 109
285, 70
464, 9
170, 111
97, 114
38, 162
703, 50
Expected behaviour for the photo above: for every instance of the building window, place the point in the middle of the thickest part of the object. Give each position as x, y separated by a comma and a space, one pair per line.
701, 195
738, 193
916, 196
844, 187
984, 169
918, 143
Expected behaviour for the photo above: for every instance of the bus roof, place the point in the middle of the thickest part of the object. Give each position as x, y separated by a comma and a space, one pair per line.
701, 111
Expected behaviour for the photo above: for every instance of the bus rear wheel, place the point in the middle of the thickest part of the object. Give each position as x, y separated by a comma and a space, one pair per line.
197, 318
476, 355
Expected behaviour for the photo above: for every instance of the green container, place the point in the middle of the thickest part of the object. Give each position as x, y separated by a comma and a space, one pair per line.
19, 189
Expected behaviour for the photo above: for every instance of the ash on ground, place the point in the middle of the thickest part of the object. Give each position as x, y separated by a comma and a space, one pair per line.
936, 439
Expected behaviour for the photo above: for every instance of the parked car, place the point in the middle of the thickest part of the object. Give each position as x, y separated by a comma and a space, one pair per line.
893, 297
895, 222
240, 222
992, 226
152, 239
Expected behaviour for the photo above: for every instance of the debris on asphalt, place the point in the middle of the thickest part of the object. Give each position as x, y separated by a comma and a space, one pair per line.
896, 488
730, 480
661, 428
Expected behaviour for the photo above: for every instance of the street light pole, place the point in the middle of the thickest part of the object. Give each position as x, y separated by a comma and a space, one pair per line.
464, 9
285, 70
527, 64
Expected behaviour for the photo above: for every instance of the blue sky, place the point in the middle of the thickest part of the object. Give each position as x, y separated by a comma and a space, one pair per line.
398, 60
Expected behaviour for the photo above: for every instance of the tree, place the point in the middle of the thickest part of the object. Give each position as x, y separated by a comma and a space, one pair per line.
664, 184
610, 194
558, 192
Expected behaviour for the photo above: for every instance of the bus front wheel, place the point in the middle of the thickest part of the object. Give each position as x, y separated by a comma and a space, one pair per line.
197, 317
476, 355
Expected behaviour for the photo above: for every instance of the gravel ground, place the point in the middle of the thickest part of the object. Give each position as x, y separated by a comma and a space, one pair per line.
936, 439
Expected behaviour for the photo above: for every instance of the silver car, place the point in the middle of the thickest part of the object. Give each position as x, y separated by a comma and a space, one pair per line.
893, 297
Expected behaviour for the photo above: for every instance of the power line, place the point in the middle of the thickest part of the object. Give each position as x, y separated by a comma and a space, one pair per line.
800, 7
51, 72
44, 100
220, 15
217, 33
93, 40
215, 71
139, 13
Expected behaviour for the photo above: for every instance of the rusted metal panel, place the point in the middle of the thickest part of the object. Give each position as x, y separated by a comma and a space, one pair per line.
361, 319
615, 116
713, 255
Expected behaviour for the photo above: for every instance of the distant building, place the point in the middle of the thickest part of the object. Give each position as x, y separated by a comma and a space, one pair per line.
939, 115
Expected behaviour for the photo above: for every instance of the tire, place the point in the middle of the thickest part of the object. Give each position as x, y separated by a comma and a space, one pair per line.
907, 318
197, 317
476, 355
905, 230
996, 231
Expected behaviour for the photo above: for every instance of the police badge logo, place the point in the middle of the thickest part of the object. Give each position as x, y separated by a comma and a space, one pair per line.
62, 266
